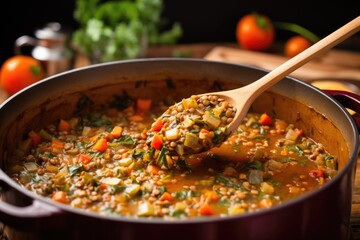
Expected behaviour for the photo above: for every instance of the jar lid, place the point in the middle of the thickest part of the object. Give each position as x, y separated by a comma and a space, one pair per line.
51, 31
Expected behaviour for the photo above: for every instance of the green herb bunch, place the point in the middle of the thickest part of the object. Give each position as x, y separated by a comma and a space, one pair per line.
120, 29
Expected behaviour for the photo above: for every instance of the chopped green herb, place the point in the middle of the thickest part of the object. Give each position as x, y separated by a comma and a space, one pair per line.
221, 179
74, 169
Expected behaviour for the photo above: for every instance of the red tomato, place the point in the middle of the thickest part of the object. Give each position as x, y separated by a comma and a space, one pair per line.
19, 72
255, 32
295, 45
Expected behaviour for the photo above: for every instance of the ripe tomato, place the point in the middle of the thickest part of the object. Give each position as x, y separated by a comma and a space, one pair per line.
18, 72
255, 32
295, 45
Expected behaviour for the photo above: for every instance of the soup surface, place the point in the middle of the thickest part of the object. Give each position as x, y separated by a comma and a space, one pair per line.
102, 161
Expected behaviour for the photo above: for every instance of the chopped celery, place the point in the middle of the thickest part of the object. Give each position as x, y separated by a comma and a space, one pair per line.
180, 149
172, 134
125, 162
112, 181
63, 171
88, 178
146, 209
213, 121
25, 178
45, 135
132, 189
188, 122
291, 135
31, 166
51, 168
191, 140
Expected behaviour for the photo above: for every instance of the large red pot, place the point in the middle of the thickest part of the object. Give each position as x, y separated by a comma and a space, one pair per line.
322, 214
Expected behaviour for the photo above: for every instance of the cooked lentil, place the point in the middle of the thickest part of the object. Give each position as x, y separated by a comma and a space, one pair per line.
102, 162
193, 125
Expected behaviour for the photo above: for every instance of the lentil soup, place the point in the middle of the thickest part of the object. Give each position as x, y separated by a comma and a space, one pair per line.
102, 161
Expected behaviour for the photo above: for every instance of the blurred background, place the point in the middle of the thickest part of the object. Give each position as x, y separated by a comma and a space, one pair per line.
201, 20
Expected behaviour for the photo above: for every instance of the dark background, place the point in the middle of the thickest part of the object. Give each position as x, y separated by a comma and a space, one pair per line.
202, 20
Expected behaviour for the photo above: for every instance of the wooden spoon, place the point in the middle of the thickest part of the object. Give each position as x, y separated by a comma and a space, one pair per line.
179, 132
243, 97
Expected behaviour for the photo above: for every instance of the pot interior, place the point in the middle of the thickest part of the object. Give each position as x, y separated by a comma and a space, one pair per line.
58, 96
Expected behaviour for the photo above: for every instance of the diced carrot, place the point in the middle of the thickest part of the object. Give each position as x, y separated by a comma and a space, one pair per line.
101, 145
157, 125
265, 203
206, 210
265, 119
83, 158
136, 118
157, 142
166, 196
143, 104
56, 143
152, 169
35, 138
211, 196
64, 126
102, 186
116, 132
60, 196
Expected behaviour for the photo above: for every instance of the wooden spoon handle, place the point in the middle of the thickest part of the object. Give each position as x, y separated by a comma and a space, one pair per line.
308, 54
247, 95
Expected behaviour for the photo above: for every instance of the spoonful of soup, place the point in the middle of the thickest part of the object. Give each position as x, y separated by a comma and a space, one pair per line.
204, 121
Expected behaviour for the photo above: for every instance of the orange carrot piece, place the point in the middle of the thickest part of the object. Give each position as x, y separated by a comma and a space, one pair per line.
143, 104
265, 119
157, 142
101, 145
56, 143
212, 196
35, 138
102, 186
64, 126
116, 132
166, 196
152, 169
265, 203
60, 196
206, 210
85, 159
157, 125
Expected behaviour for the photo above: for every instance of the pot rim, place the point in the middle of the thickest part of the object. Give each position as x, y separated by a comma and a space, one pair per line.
283, 206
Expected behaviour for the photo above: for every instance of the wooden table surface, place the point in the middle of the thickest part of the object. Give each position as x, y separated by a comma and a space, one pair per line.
344, 66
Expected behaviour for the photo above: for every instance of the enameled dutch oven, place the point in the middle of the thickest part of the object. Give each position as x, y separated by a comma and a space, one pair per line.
321, 214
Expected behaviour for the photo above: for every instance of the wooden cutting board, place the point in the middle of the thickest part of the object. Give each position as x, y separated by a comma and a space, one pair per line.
335, 64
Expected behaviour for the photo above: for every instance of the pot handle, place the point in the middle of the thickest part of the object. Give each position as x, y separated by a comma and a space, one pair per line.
348, 100
29, 216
